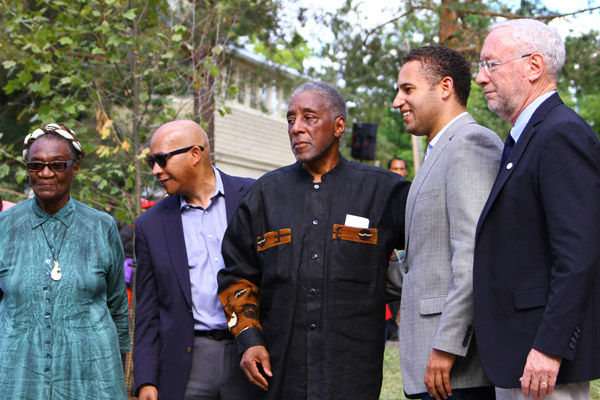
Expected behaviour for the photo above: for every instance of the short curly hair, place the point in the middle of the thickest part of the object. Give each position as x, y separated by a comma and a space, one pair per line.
335, 103
441, 61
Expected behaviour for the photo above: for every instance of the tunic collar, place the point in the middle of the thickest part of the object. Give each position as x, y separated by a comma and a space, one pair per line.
328, 175
64, 215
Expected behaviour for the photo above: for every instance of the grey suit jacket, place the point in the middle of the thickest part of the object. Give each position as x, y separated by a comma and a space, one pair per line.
435, 279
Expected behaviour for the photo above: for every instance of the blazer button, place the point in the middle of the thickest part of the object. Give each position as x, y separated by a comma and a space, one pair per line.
406, 269
572, 346
188, 350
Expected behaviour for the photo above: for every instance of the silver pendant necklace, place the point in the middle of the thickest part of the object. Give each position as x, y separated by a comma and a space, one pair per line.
56, 273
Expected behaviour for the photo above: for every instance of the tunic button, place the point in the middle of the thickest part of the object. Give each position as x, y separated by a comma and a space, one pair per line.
45, 288
47, 261
46, 370
314, 256
317, 187
188, 350
312, 327
48, 355
315, 222
47, 315
312, 291
210, 235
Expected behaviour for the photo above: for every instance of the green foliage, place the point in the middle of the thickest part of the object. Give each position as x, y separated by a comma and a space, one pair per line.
110, 70
291, 54
579, 82
96, 66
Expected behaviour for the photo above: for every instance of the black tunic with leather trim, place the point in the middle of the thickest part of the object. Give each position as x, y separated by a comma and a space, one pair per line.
321, 284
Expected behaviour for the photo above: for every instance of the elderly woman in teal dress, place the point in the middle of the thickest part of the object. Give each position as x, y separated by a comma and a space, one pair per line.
63, 300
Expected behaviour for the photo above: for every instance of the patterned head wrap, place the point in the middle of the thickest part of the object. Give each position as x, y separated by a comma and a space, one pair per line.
59, 129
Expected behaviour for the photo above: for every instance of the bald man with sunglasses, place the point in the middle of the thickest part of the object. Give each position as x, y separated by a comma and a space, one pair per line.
183, 349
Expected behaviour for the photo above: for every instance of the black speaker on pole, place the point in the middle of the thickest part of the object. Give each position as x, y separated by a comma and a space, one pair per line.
364, 140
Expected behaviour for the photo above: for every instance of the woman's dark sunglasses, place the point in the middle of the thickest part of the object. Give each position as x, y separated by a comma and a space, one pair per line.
161, 159
54, 166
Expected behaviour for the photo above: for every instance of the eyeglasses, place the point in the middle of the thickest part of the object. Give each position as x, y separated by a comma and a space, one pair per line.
489, 65
161, 159
54, 166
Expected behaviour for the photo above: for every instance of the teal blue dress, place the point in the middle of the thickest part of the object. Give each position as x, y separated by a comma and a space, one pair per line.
61, 339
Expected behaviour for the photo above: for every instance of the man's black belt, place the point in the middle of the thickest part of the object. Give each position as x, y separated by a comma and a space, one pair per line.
215, 334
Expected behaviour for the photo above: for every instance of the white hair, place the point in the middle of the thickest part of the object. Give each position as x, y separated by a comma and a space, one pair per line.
533, 36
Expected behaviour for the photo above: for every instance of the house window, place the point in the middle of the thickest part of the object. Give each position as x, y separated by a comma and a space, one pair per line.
241, 85
254, 100
264, 97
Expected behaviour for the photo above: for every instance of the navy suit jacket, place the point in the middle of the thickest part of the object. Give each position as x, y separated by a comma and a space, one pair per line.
537, 252
164, 324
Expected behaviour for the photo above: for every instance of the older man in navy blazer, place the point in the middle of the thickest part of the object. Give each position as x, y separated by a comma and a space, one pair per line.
183, 349
537, 251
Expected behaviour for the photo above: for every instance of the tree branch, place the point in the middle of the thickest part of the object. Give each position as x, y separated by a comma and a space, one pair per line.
477, 12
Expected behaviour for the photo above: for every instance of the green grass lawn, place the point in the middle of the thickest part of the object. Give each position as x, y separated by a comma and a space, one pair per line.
392, 380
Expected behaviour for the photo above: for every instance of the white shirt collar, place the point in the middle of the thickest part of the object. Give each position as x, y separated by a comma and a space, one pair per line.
525, 116
437, 137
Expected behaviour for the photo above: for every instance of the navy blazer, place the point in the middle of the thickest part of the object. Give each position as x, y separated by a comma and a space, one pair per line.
537, 252
164, 324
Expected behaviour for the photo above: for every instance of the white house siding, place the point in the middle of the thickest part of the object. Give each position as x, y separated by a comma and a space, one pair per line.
250, 143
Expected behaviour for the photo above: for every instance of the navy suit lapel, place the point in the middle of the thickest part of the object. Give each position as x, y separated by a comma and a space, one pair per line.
173, 228
515, 156
233, 194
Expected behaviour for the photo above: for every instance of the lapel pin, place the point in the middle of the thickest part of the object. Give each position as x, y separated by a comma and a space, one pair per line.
509, 165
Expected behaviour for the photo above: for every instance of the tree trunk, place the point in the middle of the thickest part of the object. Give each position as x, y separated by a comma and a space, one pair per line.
448, 23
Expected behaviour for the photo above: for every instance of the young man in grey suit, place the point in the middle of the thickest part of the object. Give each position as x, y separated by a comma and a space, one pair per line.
438, 356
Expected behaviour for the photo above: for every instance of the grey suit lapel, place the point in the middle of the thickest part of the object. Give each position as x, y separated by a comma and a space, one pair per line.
431, 160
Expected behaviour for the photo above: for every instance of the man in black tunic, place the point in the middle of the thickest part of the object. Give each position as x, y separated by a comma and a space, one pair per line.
306, 258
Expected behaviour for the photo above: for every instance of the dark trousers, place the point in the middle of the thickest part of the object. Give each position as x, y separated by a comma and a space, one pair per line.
480, 393
216, 373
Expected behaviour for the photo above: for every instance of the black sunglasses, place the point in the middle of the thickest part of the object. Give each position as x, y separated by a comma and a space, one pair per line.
54, 166
161, 159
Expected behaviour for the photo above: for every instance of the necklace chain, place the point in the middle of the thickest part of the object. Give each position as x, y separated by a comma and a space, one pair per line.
56, 271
